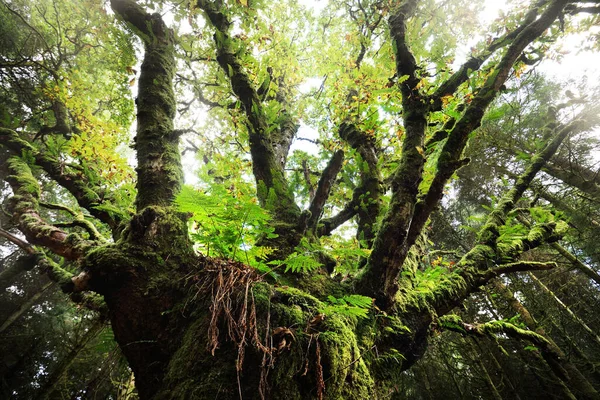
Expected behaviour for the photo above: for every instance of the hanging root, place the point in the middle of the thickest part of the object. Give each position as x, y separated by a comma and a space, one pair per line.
319, 372
233, 318
232, 306
233, 309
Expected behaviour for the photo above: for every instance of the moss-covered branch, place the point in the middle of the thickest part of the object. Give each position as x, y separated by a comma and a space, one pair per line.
480, 264
553, 355
574, 378
323, 188
24, 208
157, 143
450, 160
66, 280
88, 196
490, 231
366, 197
82, 223
268, 144
379, 279
59, 207
454, 323
478, 267
79, 221
406, 64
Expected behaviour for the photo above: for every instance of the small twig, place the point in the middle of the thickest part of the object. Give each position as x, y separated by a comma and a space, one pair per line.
28, 248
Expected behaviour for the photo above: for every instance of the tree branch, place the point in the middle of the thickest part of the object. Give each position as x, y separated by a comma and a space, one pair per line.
367, 195
450, 160
267, 147
323, 188
159, 170
88, 196
379, 279
475, 62
26, 247
24, 208
455, 323
327, 225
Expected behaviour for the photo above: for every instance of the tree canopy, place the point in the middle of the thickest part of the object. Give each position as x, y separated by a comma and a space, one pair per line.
287, 200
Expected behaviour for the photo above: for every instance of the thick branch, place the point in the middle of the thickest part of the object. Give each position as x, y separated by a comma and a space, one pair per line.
82, 223
266, 144
160, 175
24, 208
88, 196
379, 278
406, 64
25, 214
518, 266
367, 195
480, 265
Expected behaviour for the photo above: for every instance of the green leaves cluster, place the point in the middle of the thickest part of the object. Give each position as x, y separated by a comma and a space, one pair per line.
353, 305
226, 223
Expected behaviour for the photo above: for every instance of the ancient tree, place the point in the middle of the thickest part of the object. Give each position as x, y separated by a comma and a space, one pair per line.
238, 279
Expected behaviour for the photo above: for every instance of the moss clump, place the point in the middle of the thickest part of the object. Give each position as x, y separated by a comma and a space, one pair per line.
346, 375
22, 178
292, 371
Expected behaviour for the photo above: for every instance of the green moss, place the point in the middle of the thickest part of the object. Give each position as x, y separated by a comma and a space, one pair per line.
345, 372
194, 373
291, 296
22, 178
452, 322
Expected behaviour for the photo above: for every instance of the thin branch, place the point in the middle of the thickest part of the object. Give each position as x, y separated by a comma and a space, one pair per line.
455, 323
58, 207
82, 223
28, 248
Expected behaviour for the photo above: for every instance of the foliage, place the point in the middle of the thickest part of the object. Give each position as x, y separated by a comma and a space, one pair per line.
352, 305
227, 223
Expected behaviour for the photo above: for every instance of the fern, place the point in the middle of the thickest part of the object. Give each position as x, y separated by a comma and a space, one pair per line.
297, 262
352, 305
226, 224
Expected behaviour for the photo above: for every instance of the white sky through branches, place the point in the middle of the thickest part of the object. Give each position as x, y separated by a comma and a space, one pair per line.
568, 63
